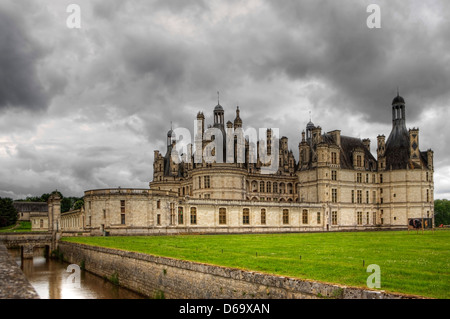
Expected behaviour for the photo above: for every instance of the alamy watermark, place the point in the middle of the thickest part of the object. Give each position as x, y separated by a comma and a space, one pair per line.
374, 280
74, 278
374, 19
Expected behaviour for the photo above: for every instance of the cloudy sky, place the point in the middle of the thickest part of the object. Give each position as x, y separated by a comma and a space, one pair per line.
85, 108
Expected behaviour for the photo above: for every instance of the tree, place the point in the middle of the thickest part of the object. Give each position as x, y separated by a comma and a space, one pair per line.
441, 212
78, 204
8, 214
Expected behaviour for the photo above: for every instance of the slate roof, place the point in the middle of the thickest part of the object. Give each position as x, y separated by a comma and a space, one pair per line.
23, 207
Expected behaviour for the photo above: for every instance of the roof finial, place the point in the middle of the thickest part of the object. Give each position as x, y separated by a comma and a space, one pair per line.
171, 126
310, 116
218, 98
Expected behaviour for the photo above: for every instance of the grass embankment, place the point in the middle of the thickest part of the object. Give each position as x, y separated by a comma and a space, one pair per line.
18, 228
410, 262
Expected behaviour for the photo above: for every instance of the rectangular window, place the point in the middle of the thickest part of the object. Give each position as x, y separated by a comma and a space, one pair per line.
285, 216
122, 206
381, 200
193, 216
261, 187
359, 218
367, 197
374, 218
122, 219
158, 219
305, 217
353, 196
246, 216
333, 158
222, 216
358, 161
381, 178
359, 196
334, 195
263, 216
367, 218
333, 175
373, 178
359, 178
180, 216
158, 204
172, 214
207, 182
269, 187
275, 187
334, 218
199, 182
374, 197
318, 217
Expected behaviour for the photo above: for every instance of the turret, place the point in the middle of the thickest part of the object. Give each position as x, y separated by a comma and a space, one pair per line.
237, 120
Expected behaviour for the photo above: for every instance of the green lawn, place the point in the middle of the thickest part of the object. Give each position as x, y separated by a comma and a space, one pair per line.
410, 262
23, 227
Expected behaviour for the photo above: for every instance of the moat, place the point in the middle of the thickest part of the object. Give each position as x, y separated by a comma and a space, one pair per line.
49, 278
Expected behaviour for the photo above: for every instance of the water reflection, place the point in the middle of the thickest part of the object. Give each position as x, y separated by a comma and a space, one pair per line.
49, 279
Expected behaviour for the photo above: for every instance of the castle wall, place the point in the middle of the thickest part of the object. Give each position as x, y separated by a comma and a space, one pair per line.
156, 276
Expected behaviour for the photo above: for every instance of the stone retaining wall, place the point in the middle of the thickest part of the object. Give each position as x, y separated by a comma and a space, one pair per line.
171, 278
13, 284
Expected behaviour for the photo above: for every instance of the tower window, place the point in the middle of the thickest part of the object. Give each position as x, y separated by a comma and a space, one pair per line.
334, 195
333, 158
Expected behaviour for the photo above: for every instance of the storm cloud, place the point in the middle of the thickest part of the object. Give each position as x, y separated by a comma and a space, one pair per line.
83, 109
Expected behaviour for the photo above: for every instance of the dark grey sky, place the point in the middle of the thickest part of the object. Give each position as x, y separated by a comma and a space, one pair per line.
83, 109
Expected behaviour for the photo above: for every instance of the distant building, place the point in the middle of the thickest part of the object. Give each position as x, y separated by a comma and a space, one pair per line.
26, 209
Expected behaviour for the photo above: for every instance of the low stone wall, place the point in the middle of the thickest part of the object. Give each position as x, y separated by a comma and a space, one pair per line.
172, 278
13, 284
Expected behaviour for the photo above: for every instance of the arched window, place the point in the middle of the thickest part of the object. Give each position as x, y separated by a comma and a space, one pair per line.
261, 187
268, 187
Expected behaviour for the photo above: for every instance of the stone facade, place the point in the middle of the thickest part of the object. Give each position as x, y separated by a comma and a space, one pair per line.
14, 284
337, 184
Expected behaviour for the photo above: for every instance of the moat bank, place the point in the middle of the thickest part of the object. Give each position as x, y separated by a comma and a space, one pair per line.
48, 277
162, 277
